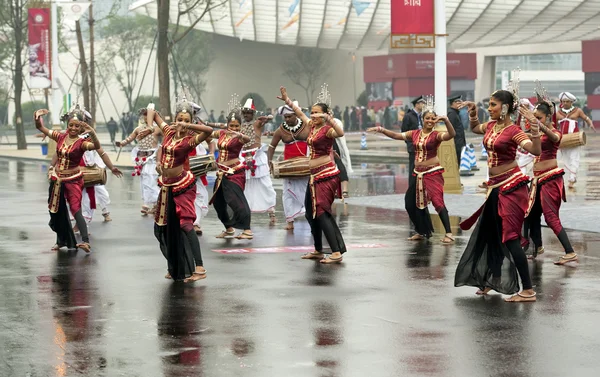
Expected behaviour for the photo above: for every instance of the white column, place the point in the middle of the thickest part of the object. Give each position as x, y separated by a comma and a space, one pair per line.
56, 93
441, 98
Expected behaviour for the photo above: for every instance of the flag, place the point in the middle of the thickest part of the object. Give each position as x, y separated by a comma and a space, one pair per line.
360, 6
73, 11
40, 76
293, 6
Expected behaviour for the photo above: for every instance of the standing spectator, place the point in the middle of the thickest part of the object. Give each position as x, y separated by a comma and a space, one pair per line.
365, 118
124, 125
412, 121
482, 114
379, 117
387, 120
112, 126
222, 117
347, 117
454, 117
211, 117
372, 116
353, 119
337, 113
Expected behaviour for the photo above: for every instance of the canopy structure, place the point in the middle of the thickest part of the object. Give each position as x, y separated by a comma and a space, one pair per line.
365, 24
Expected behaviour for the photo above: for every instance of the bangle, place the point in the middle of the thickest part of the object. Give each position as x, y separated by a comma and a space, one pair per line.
379, 129
270, 146
103, 153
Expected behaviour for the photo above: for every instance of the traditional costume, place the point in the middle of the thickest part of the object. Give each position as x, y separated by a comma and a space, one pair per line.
294, 189
568, 124
175, 211
228, 195
259, 189
94, 196
144, 158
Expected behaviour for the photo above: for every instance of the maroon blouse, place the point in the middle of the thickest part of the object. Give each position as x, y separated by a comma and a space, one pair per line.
175, 152
319, 141
549, 149
229, 147
69, 155
426, 145
502, 145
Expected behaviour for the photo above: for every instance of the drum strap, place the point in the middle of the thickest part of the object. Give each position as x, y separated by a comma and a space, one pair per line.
92, 195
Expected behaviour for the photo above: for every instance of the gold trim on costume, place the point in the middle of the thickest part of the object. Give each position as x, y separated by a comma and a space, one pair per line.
534, 186
421, 194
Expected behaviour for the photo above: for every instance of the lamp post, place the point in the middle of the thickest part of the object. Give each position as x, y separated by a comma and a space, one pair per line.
354, 74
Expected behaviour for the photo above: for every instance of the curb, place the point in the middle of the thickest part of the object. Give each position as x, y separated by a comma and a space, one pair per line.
47, 161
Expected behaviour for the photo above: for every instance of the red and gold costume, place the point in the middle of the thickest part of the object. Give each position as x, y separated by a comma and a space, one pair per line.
231, 181
430, 181
324, 181
493, 253
175, 153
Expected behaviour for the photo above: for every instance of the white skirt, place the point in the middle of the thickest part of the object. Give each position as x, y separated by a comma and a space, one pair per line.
570, 157
294, 192
149, 183
259, 189
102, 202
201, 202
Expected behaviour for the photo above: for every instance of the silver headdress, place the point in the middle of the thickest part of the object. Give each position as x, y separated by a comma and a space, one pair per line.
234, 103
543, 96
77, 112
429, 104
184, 103
513, 86
324, 95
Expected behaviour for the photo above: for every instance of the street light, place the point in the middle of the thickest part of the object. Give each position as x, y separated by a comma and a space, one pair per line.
353, 55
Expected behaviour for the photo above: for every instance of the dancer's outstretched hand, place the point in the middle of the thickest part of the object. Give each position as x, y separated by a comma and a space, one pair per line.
116, 172
283, 96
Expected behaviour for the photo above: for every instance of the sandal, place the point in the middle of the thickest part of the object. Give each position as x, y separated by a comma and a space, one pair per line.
106, 217
313, 255
329, 260
245, 236
85, 247
483, 292
449, 237
519, 297
196, 275
227, 235
345, 194
563, 260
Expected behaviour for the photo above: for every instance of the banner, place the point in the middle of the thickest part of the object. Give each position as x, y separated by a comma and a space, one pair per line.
40, 76
412, 17
73, 11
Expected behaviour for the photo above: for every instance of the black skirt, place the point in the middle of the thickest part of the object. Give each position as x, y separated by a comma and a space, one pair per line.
486, 261
340, 165
59, 221
174, 243
232, 206
419, 217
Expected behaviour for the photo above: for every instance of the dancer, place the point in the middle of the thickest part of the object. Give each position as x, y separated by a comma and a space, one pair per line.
429, 183
547, 187
294, 189
324, 183
228, 193
259, 189
175, 212
342, 160
66, 185
494, 251
144, 157
568, 117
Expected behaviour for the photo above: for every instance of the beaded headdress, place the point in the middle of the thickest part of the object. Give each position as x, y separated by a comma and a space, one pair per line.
429, 104
542, 96
324, 95
234, 105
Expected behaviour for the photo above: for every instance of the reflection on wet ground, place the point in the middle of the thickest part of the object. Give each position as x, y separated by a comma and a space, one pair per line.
387, 311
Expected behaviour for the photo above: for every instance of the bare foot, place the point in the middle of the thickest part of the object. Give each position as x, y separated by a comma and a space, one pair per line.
145, 210
313, 255
416, 237
272, 218
85, 247
522, 296
56, 247
106, 217
484, 292
289, 226
567, 258
168, 275
198, 230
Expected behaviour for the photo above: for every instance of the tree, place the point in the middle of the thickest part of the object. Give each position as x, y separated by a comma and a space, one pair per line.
307, 68
192, 57
126, 38
259, 102
13, 26
363, 99
195, 11
143, 101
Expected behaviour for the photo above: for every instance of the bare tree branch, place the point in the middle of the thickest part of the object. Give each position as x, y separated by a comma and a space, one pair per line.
207, 9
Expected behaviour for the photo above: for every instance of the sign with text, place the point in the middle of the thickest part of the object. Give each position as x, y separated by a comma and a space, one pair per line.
412, 17
40, 76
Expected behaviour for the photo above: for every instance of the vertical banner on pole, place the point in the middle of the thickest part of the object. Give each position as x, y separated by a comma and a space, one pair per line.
412, 24
40, 75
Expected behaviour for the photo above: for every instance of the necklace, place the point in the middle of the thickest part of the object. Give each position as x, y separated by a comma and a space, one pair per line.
292, 129
567, 111
498, 129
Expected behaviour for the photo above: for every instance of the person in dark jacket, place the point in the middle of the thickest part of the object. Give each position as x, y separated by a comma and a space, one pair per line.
412, 121
453, 115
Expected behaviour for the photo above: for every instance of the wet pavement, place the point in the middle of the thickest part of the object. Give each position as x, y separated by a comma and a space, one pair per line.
389, 310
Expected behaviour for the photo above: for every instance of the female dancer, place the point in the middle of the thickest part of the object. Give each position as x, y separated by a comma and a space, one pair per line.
494, 243
547, 187
66, 185
175, 211
324, 184
429, 185
231, 180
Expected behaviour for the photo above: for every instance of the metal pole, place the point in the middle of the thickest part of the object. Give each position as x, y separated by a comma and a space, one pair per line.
441, 79
56, 97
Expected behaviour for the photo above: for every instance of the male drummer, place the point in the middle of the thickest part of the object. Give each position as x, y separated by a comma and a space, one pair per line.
294, 189
568, 116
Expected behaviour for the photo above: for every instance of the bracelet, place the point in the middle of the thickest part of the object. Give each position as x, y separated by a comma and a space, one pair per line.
270, 146
103, 153
535, 136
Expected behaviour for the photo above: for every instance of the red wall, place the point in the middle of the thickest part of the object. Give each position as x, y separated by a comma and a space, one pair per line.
386, 68
590, 56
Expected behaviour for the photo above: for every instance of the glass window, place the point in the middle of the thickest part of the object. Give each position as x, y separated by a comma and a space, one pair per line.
543, 62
